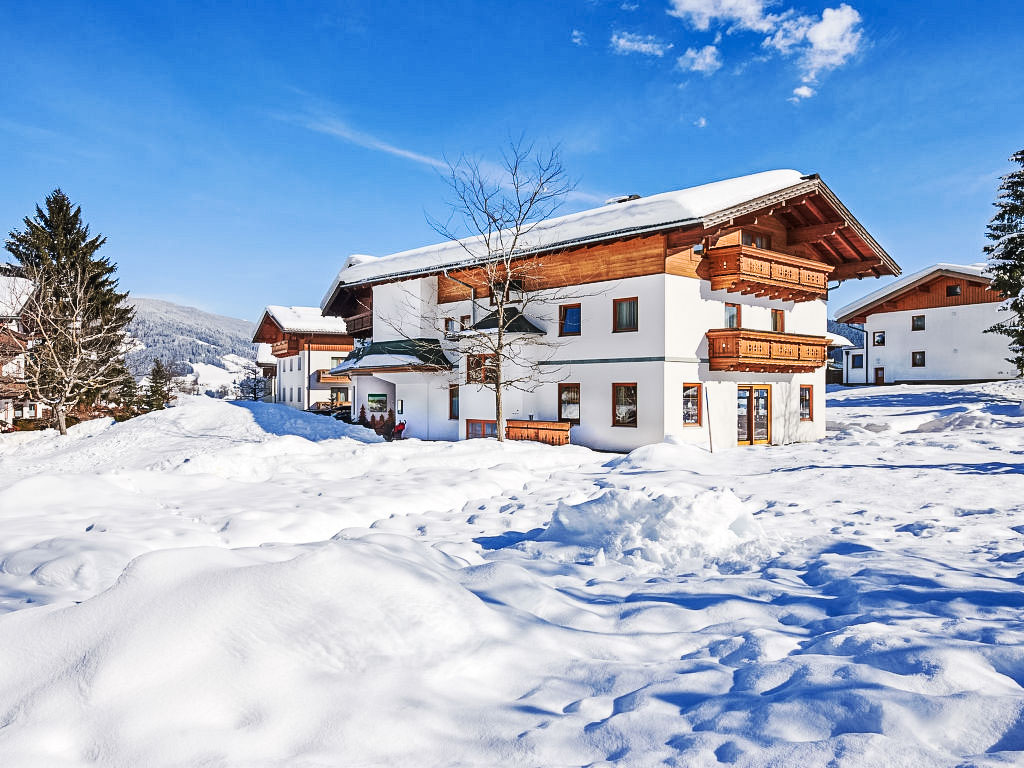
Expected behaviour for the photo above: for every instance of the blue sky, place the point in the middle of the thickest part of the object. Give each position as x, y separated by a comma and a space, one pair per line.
234, 153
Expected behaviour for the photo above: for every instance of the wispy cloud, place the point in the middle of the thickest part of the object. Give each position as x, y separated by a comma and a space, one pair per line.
578, 38
701, 122
706, 60
648, 45
736, 14
331, 126
801, 92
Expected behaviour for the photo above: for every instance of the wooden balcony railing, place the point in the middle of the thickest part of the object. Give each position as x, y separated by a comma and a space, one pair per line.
739, 349
285, 348
323, 376
360, 325
755, 271
550, 432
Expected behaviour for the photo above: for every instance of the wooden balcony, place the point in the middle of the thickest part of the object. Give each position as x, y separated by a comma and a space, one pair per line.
323, 376
739, 349
757, 272
285, 348
360, 325
550, 432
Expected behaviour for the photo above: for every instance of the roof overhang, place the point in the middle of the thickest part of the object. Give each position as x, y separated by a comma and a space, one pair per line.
864, 305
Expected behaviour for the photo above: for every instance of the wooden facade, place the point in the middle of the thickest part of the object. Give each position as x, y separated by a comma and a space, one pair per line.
740, 349
550, 432
929, 294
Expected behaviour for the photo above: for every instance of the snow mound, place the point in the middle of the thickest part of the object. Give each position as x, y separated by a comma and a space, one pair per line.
663, 532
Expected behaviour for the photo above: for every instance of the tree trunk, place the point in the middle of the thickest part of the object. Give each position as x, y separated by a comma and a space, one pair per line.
62, 423
499, 410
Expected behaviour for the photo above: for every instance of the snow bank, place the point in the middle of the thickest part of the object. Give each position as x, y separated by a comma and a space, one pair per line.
667, 532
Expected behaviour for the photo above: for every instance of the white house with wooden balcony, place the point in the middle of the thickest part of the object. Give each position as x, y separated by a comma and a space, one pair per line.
696, 315
15, 403
306, 346
929, 327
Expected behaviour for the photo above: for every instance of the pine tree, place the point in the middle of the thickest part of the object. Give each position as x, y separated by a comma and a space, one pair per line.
1006, 257
76, 317
158, 393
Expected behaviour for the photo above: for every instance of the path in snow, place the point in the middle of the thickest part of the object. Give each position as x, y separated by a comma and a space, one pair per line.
302, 594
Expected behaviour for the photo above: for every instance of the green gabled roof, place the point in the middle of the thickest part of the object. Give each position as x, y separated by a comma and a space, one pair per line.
515, 322
427, 351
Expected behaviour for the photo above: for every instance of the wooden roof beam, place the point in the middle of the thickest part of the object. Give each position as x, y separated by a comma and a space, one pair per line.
814, 232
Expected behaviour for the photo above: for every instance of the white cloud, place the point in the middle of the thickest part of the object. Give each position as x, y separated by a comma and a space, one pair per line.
339, 130
737, 14
801, 92
578, 38
627, 6
630, 42
701, 122
707, 60
821, 43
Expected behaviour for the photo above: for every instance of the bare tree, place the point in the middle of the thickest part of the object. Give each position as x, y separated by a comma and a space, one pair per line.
75, 316
493, 213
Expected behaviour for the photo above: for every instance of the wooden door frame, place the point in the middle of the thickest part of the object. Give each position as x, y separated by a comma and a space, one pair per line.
878, 370
750, 413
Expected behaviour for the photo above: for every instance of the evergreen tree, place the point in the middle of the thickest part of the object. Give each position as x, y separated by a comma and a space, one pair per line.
158, 393
1006, 257
129, 399
76, 316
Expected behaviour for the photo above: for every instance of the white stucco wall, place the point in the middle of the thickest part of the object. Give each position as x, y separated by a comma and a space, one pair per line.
296, 374
954, 342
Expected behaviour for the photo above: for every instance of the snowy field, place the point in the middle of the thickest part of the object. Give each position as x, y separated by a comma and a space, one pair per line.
230, 585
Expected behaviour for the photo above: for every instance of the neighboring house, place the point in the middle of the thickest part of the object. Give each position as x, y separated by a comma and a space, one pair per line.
698, 315
14, 401
929, 327
267, 365
305, 346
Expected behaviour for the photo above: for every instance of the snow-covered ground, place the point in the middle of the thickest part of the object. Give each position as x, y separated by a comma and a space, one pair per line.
229, 584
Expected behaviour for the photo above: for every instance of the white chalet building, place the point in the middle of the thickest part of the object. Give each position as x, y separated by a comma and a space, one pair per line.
929, 327
696, 315
306, 346
14, 403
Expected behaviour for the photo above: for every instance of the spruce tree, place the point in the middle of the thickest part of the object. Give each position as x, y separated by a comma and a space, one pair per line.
158, 394
1006, 257
76, 316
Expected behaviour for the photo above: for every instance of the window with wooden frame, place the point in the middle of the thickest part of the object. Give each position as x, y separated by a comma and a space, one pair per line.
692, 405
733, 316
757, 240
481, 369
878, 338
778, 321
481, 428
917, 359
513, 290
464, 322
625, 315
806, 402
449, 325
453, 402
917, 323
569, 403
570, 320
954, 290
624, 405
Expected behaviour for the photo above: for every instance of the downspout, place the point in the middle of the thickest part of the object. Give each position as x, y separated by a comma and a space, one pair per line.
309, 374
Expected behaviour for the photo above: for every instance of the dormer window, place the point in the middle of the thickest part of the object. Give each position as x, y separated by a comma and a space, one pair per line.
757, 240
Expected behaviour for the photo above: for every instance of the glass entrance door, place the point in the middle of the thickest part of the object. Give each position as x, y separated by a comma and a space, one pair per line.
753, 414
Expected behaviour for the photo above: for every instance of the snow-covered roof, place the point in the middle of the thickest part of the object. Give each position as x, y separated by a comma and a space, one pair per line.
305, 320
840, 341
667, 208
975, 271
14, 293
264, 355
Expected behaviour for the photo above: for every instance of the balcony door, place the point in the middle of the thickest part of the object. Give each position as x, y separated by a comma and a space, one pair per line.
879, 375
753, 414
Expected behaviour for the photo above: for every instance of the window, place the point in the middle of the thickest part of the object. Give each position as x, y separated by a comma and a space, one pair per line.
291, 363
512, 288
778, 321
691, 405
569, 320
377, 403
464, 322
339, 395
624, 315
624, 405
300, 362
856, 361
878, 339
953, 290
399, 406
806, 402
480, 369
917, 323
732, 316
449, 325
569, 403
481, 428
917, 359
453, 402
757, 240
336, 361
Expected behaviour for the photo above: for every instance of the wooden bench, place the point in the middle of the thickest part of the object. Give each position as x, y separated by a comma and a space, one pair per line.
550, 432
